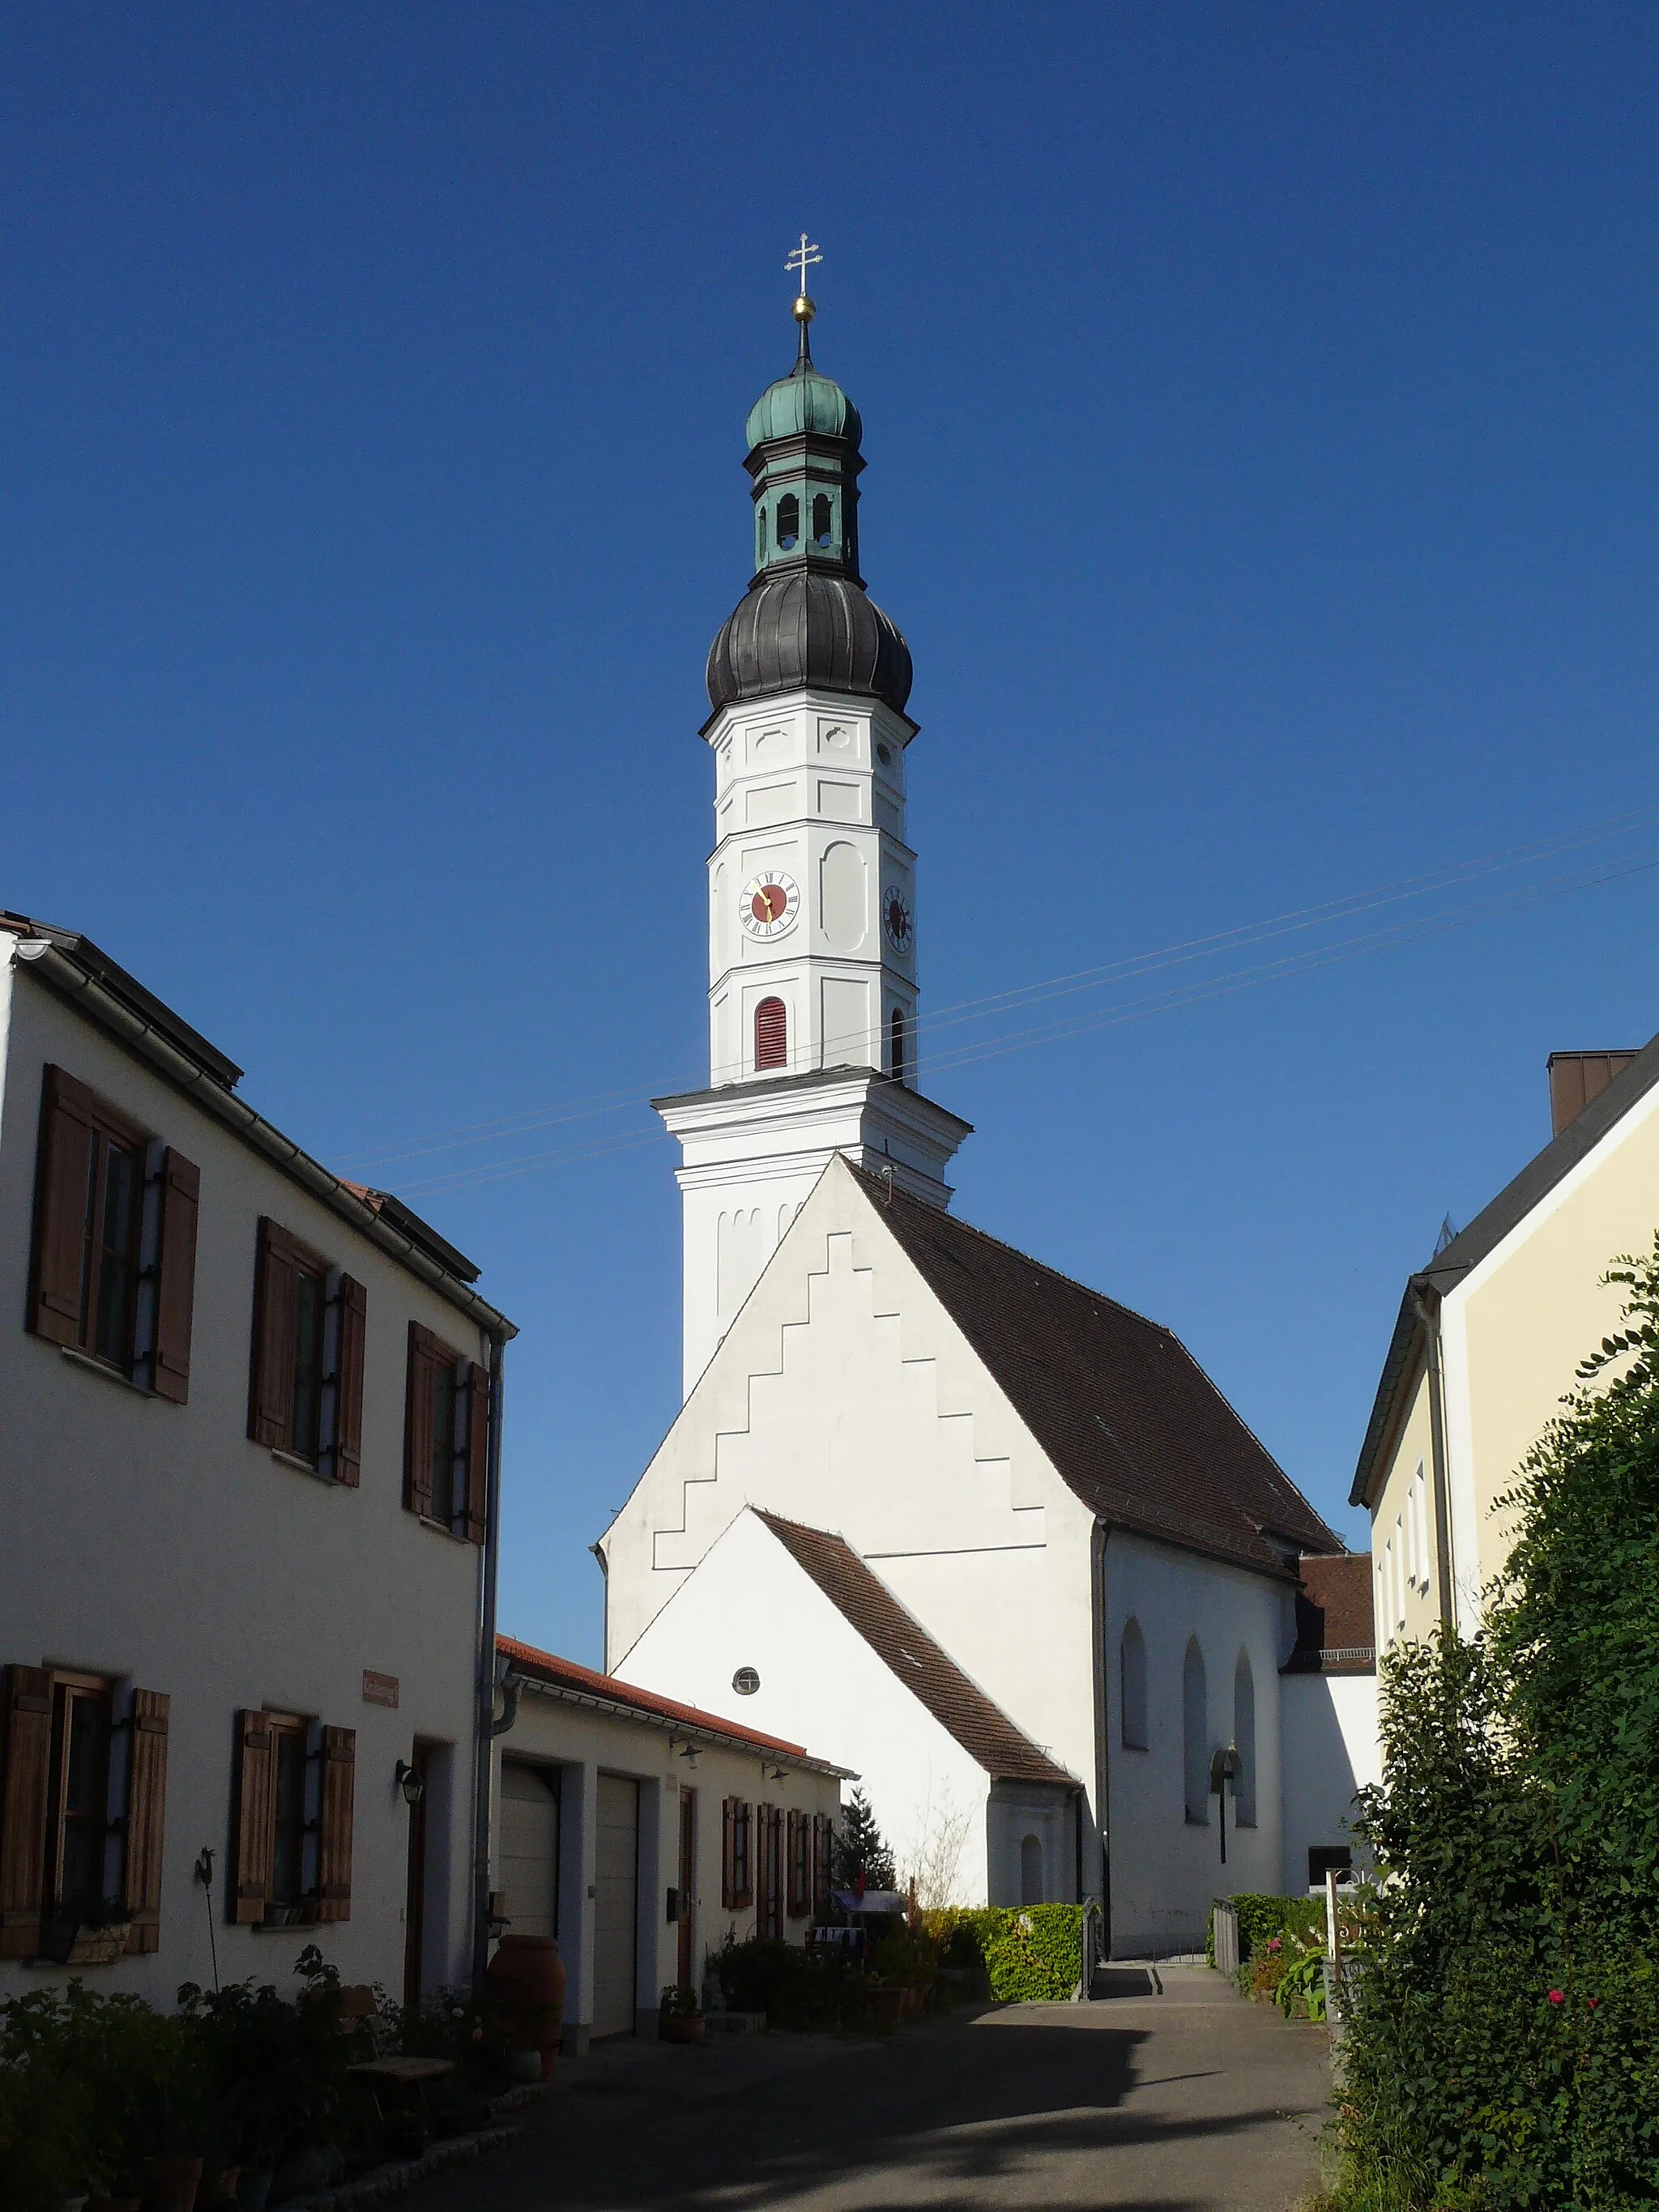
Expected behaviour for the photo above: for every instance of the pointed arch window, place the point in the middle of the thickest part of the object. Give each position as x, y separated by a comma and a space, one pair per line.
1195, 1736
788, 521
1131, 1687
824, 532
896, 1044
1244, 1742
771, 1034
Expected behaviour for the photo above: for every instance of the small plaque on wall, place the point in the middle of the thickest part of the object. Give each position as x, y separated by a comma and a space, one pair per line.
379, 1689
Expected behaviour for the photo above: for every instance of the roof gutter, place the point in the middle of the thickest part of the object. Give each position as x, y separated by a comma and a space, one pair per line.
515, 1682
77, 982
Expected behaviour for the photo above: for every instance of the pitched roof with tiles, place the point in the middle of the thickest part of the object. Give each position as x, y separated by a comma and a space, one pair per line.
1128, 1418
903, 1645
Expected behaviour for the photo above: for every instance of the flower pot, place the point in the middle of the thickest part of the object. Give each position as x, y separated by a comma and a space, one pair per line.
888, 2006
97, 1946
253, 2187
223, 2191
527, 1977
171, 2183
680, 2026
524, 2067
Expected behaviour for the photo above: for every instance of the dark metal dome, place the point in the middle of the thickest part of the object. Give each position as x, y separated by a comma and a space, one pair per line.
803, 627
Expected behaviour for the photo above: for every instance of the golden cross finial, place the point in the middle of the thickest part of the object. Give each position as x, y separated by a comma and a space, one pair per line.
805, 255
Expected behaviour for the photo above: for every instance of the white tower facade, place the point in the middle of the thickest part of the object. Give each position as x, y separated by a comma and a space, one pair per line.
813, 1016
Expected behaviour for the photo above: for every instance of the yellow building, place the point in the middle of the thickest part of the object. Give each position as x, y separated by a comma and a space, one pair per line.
1489, 1334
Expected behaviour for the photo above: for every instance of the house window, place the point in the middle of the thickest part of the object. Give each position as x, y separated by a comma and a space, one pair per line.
306, 1374
1195, 1736
1131, 1687
81, 1808
292, 1808
446, 1436
1031, 1870
769, 1870
1244, 1742
824, 1862
771, 1034
799, 1853
113, 1271
822, 523
736, 1865
788, 521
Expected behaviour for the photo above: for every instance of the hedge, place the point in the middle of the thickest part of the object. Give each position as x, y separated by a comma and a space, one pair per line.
1261, 1917
1030, 1955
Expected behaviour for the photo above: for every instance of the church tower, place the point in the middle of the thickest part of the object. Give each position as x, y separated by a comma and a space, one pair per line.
813, 1020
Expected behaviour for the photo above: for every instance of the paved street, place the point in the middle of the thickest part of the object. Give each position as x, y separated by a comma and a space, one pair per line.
1190, 2101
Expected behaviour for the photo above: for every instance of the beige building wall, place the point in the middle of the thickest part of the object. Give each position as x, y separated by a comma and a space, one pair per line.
1402, 1528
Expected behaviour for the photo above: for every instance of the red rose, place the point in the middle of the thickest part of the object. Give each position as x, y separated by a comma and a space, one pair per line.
1556, 1997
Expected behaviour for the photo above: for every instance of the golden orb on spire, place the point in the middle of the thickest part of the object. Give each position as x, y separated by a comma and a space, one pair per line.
803, 309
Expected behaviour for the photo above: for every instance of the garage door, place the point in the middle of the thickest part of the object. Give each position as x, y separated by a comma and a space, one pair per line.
529, 1847
616, 1905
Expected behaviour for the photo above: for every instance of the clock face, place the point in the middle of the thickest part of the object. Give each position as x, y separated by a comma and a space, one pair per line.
895, 920
767, 905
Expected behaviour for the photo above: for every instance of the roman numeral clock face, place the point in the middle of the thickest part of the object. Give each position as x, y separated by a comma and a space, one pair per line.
767, 905
895, 920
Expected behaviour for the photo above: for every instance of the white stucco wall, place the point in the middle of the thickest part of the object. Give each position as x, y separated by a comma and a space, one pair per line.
582, 1744
749, 1605
155, 1544
1164, 1870
1331, 1750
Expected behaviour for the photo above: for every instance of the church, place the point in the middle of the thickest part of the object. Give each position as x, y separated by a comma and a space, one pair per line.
967, 1527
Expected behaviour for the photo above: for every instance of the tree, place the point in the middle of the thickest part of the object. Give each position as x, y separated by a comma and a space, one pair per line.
863, 1860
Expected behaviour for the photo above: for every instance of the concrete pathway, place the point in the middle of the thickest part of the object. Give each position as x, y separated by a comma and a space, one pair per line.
1190, 2100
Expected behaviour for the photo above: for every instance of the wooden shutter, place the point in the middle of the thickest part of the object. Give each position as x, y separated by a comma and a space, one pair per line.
64, 1162
417, 1422
339, 1749
800, 1885
146, 1793
25, 1764
270, 1376
743, 1854
477, 1452
728, 1852
175, 1287
771, 1034
349, 1383
823, 1848
252, 1820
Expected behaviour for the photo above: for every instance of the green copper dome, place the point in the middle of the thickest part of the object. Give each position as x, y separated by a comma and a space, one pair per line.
804, 400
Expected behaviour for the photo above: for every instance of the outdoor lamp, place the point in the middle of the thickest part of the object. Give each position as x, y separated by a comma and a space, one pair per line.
411, 1780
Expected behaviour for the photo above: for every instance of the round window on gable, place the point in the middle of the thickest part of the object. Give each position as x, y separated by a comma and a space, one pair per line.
746, 1682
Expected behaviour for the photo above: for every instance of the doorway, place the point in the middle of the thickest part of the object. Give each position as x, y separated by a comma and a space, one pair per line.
687, 1881
616, 1905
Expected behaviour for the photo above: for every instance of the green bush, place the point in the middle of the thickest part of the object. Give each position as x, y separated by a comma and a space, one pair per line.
793, 1987
1031, 1954
1261, 1918
1502, 2049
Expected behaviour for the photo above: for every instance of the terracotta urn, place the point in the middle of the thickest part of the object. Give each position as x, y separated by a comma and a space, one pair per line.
526, 1976
171, 2183
680, 2026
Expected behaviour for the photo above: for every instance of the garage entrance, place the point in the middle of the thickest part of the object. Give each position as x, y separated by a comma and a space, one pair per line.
616, 1905
529, 1853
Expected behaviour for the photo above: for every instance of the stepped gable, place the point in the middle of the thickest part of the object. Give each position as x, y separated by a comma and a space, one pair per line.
904, 1647
1131, 1422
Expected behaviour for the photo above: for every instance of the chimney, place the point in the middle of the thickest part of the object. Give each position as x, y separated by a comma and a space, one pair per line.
1576, 1077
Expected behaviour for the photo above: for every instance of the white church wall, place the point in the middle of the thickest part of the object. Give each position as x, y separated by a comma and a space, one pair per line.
1331, 1750
749, 1605
1165, 1870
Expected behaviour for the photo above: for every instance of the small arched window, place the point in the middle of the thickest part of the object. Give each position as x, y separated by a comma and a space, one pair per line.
1132, 1687
1244, 1742
896, 1044
822, 527
1031, 1870
788, 520
771, 1034
1195, 1736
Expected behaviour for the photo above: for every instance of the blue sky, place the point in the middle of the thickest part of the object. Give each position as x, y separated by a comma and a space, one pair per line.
1261, 441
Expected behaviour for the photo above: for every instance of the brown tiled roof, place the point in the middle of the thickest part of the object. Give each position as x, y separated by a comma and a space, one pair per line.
903, 1645
1335, 1622
1128, 1417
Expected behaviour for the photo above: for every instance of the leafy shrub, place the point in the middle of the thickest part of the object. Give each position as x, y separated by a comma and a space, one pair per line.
1503, 2047
1030, 1955
1261, 1918
794, 1988
1303, 1976
276, 2067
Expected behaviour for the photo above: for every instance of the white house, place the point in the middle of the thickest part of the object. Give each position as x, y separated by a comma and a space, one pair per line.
248, 1480
643, 1832
981, 1532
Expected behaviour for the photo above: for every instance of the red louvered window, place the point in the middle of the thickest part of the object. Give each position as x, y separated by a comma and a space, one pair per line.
771, 1034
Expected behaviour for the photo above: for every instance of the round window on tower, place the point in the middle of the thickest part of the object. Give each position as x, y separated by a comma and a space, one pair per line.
746, 1682
885, 755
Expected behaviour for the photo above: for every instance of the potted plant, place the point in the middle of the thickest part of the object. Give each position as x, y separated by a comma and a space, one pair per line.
93, 1935
679, 2019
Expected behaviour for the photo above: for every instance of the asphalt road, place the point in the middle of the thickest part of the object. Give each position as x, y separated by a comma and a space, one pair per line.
1189, 2101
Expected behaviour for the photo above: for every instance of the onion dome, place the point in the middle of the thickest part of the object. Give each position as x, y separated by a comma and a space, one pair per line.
804, 400
808, 628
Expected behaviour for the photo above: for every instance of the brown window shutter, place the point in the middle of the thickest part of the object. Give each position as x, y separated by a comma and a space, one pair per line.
477, 1452
146, 1795
417, 1422
792, 1851
253, 1812
334, 1839
728, 1808
354, 1337
271, 1378
64, 1162
823, 1845
742, 1880
175, 1288
25, 1764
